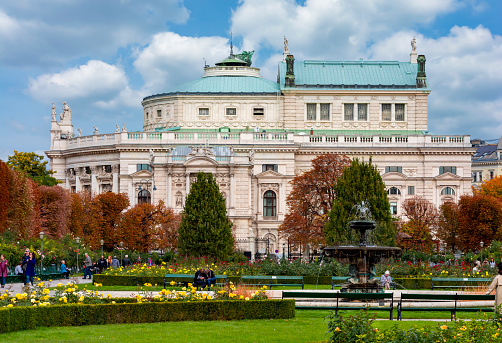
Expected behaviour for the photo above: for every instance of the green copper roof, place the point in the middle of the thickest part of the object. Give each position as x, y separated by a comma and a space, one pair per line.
352, 74
231, 61
220, 85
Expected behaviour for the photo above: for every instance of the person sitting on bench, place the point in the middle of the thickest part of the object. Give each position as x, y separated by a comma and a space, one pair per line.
211, 278
386, 280
200, 279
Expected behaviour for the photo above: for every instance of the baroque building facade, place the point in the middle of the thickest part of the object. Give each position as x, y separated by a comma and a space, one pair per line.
255, 135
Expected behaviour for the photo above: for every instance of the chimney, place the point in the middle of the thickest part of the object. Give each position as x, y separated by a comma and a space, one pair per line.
290, 72
421, 76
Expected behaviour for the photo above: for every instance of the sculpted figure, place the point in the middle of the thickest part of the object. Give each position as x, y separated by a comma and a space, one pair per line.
96, 132
413, 45
66, 111
79, 130
286, 44
124, 129
54, 113
117, 128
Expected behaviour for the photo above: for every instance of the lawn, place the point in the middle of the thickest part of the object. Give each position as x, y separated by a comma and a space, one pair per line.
307, 326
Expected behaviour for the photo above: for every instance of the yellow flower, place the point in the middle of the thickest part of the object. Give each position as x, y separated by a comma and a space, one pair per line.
172, 283
337, 329
247, 298
10, 305
241, 297
443, 327
81, 298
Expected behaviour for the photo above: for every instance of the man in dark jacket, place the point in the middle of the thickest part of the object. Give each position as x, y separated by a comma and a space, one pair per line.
200, 278
102, 264
24, 264
126, 261
211, 278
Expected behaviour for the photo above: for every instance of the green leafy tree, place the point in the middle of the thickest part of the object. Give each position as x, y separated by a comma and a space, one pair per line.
205, 229
360, 182
34, 166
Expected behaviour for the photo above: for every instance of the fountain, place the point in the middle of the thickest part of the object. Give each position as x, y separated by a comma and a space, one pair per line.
363, 258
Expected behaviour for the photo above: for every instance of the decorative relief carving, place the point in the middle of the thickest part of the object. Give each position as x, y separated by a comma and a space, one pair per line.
411, 97
355, 98
269, 186
393, 97
374, 97
179, 199
337, 97
410, 171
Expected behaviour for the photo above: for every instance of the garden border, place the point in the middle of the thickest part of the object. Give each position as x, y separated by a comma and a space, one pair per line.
31, 317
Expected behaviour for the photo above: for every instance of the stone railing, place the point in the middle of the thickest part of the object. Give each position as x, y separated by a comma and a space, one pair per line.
259, 139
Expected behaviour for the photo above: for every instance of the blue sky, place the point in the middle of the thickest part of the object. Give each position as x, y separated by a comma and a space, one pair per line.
103, 57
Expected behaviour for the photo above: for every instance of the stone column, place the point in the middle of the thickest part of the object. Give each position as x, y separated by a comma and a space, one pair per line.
115, 178
252, 245
169, 192
94, 180
130, 191
187, 176
231, 196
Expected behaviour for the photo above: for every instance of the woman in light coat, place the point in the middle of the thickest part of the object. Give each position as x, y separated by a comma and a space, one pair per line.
497, 285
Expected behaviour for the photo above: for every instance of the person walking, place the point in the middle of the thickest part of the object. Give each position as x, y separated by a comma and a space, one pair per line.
109, 262
102, 264
88, 266
115, 262
30, 268
24, 264
3, 270
126, 261
64, 271
497, 286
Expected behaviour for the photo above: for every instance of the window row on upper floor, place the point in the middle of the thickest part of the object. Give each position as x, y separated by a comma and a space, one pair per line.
355, 112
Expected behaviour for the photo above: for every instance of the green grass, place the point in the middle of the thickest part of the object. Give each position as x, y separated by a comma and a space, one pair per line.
307, 326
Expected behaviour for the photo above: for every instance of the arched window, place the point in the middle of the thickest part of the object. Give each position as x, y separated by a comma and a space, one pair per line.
269, 204
393, 191
144, 197
448, 191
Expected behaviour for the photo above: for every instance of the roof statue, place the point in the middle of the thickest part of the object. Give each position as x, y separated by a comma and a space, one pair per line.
117, 128
66, 111
79, 130
246, 57
54, 113
413, 45
96, 131
286, 49
124, 129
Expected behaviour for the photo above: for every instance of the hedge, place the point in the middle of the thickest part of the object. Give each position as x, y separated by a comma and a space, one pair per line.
31, 317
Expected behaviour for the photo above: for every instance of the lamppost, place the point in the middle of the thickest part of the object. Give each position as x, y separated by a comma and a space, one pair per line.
121, 248
445, 252
42, 234
148, 182
283, 251
78, 242
102, 243
481, 244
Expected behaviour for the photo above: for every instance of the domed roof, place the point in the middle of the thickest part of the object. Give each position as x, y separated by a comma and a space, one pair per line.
226, 84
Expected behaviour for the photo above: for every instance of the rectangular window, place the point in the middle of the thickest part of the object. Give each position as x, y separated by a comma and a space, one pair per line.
474, 176
311, 111
204, 111
159, 113
108, 168
348, 112
258, 111
393, 208
87, 170
231, 111
362, 111
411, 190
325, 111
492, 175
399, 112
266, 167
480, 176
143, 167
386, 112
394, 169
443, 170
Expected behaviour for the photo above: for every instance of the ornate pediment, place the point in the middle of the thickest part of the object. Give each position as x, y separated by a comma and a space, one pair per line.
200, 161
448, 176
142, 173
394, 175
269, 174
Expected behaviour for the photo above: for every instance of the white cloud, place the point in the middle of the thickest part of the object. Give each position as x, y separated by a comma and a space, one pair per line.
8, 26
95, 79
171, 59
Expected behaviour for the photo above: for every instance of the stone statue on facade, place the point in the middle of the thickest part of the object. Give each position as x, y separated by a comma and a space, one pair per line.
96, 132
152, 156
79, 130
117, 128
66, 111
413, 45
286, 48
251, 155
54, 113
124, 129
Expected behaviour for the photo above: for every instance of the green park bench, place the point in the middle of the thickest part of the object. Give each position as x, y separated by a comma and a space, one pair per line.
340, 279
450, 301
380, 297
458, 283
272, 281
188, 278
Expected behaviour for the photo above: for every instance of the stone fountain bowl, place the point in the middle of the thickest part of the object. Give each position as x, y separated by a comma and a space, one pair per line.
354, 254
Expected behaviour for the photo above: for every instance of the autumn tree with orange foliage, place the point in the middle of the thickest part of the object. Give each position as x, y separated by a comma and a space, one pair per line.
491, 187
147, 227
448, 225
55, 210
422, 220
4, 195
480, 219
310, 200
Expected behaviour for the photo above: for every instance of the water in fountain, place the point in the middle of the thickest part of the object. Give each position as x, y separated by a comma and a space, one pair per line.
362, 258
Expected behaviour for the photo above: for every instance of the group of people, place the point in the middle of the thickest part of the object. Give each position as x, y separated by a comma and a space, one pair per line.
203, 278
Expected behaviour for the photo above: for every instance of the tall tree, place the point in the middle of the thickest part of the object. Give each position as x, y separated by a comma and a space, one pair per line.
310, 200
359, 182
480, 219
448, 225
4, 194
422, 219
205, 229
492, 187
144, 227
34, 166
55, 210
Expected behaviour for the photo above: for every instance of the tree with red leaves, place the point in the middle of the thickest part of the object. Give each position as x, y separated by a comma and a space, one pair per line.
480, 220
422, 219
55, 209
447, 226
4, 194
310, 199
